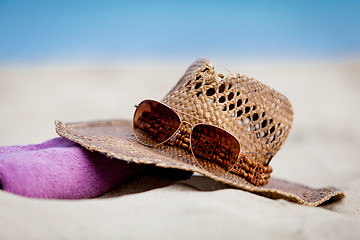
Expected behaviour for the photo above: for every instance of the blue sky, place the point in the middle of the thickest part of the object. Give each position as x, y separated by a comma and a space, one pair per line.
41, 30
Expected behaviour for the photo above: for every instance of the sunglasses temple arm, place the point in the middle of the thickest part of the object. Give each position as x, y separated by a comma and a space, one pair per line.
268, 154
188, 115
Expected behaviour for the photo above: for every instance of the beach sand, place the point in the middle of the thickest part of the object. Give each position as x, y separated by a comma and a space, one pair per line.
321, 150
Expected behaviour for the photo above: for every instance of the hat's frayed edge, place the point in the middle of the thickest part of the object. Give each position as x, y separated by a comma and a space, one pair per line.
275, 189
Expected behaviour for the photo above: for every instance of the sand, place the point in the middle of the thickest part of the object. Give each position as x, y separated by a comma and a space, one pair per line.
322, 150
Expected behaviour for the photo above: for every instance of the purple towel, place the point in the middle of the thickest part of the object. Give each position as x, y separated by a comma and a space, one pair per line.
61, 169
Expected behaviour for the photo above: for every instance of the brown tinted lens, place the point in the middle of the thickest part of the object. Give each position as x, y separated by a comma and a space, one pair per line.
154, 122
212, 145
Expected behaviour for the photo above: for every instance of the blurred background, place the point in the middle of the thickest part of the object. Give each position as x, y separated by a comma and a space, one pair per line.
42, 30
93, 60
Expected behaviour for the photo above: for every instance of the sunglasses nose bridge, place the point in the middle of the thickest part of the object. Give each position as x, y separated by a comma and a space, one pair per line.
187, 123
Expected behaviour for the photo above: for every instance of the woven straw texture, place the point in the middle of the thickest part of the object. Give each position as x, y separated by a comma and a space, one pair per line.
257, 115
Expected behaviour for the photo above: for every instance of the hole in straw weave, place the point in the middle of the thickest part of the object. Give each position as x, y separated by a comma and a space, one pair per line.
199, 94
272, 138
229, 86
230, 96
222, 99
270, 121
255, 117
231, 107
248, 129
240, 122
272, 129
223, 108
237, 94
263, 114
210, 92
205, 69
198, 85
257, 135
247, 109
263, 123
246, 100
256, 126
264, 134
238, 103
279, 132
247, 120
232, 114
222, 88
198, 77
238, 114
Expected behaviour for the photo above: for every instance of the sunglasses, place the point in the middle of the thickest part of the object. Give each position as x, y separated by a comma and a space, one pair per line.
155, 123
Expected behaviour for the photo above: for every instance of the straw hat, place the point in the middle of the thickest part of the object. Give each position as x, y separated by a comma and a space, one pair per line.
259, 116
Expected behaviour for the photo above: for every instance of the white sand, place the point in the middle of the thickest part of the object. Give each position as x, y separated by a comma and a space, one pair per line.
322, 149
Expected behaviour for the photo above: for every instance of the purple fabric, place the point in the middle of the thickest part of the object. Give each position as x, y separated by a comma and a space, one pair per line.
61, 169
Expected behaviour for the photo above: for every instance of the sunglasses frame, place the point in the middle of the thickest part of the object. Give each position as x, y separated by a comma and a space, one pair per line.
181, 122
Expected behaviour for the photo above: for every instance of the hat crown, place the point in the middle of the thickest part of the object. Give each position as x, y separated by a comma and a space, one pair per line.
259, 116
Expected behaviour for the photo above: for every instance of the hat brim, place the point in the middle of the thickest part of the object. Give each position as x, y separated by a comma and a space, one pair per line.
116, 140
